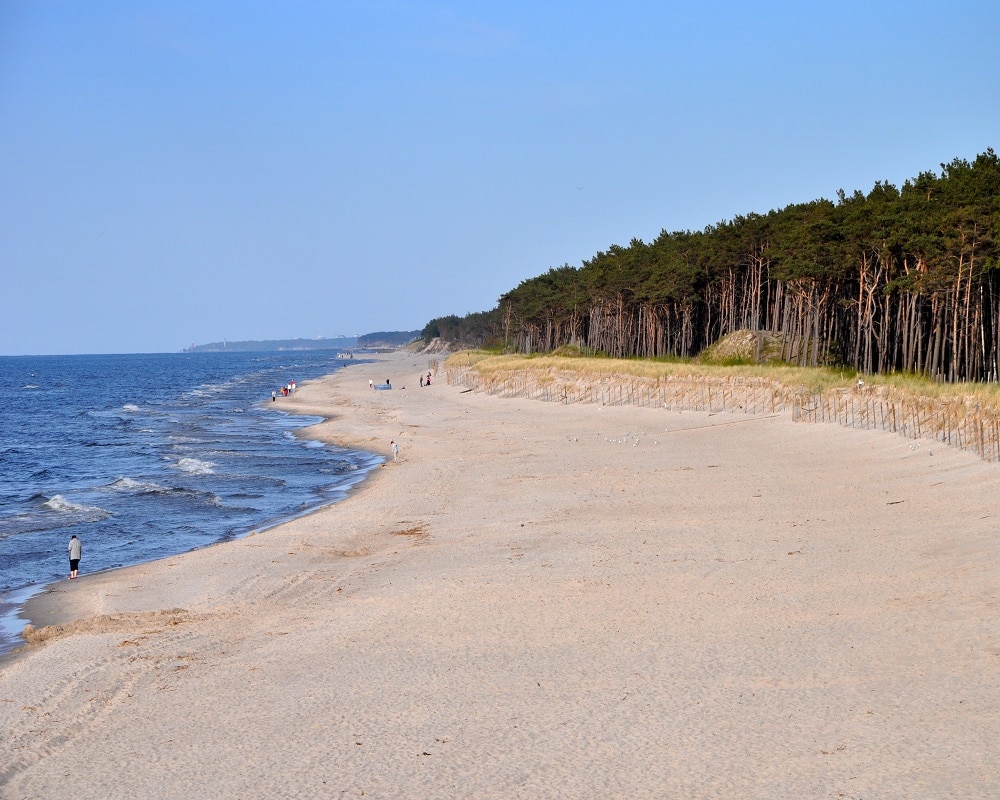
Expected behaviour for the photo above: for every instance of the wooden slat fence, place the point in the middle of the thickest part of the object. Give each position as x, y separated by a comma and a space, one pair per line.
953, 423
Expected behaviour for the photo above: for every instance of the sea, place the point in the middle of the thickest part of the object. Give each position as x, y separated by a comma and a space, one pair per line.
147, 456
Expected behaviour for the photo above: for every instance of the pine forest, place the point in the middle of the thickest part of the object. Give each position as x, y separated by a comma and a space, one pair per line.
895, 280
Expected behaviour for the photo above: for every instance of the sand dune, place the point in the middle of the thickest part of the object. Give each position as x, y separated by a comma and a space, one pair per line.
544, 601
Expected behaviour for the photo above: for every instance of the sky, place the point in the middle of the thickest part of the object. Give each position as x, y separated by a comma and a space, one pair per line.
177, 173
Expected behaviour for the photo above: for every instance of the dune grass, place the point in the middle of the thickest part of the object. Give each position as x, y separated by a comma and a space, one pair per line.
812, 380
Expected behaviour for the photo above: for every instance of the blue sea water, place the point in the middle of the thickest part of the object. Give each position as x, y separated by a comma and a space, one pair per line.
147, 456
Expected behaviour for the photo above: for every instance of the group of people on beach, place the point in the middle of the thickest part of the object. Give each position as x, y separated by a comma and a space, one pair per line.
424, 381
287, 389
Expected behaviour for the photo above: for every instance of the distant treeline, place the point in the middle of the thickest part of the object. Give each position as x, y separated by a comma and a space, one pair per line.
387, 339
365, 341
268, 345
898, 279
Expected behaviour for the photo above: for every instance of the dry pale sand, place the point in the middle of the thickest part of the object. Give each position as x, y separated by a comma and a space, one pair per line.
545, 601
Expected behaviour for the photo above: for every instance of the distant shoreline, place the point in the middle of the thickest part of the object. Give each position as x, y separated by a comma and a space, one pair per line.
368, 341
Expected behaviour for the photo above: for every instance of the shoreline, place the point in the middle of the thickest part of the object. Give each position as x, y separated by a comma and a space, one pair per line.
36, 611
545, 600
21, 600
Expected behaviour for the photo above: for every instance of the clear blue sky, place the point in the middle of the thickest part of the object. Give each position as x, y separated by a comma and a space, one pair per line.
178, 172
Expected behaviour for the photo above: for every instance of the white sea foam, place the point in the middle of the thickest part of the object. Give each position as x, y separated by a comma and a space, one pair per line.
131, 486
131, 408
209, 389
63, 506
196, 466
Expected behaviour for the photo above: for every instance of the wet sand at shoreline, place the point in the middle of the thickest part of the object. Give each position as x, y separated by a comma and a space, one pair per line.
541, 600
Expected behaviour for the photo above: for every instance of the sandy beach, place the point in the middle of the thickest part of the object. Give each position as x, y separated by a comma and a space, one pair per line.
544, 601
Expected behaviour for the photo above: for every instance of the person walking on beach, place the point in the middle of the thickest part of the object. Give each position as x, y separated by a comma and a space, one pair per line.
75, 551
395, 450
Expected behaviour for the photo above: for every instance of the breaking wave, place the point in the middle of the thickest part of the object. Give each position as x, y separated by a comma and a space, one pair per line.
130, 486
196, 466
54, 512
61, 505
